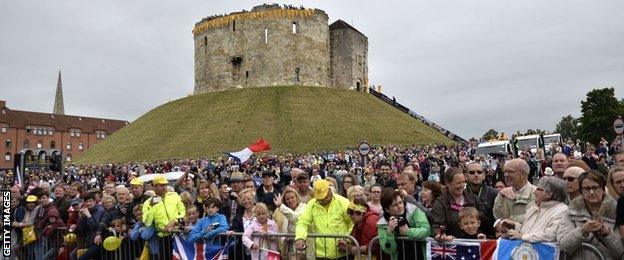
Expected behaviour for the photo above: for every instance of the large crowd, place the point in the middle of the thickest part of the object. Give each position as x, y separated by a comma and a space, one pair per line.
439, 191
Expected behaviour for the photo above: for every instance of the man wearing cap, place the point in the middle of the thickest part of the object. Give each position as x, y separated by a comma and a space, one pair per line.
326, 213
136, 188
267, 191
229, 207
163, 211
302, 184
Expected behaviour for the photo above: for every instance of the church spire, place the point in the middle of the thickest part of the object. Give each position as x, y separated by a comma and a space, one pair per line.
59, 108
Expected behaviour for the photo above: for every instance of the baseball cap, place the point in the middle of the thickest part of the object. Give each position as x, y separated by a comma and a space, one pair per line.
321, 188
31, 198
237, 176
137, 182
160, 180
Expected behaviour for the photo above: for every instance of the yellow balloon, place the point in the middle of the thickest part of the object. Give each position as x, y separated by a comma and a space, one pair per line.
112, 243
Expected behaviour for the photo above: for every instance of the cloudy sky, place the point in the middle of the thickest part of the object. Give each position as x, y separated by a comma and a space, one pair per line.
467, 65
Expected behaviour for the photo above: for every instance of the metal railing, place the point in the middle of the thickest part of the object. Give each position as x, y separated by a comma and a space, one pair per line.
318, 246
375, 241
329, 241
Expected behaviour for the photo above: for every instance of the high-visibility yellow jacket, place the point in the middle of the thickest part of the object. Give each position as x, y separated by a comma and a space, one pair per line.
320, 220
160, 215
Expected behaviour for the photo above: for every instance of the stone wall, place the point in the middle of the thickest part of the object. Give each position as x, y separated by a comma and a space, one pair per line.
349, 57
261, 48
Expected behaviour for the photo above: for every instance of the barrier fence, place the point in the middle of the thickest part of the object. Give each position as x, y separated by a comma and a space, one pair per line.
379, 255
318, 246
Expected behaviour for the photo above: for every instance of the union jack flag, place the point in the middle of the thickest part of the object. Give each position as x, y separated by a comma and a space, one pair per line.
443, 251
460, 250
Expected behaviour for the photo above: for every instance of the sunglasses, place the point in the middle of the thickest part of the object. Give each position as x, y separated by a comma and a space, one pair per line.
475, 172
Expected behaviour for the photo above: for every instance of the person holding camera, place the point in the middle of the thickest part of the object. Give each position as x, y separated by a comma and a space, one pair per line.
164, 211
212, 224
401, 219
591, 218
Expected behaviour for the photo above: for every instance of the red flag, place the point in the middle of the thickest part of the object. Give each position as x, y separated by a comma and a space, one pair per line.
259, 146
487, 249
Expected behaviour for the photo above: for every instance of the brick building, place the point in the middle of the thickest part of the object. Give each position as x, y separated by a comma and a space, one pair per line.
34, 131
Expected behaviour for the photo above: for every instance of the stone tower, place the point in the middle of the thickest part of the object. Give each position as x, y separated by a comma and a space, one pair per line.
274, 45
59, 108
349, 56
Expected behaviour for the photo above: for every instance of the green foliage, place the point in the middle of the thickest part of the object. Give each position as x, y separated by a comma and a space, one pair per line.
599, 110
291, 119
567, 127
490, 134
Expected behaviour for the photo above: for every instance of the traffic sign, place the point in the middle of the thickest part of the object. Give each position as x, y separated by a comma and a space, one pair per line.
618, 126
364, 148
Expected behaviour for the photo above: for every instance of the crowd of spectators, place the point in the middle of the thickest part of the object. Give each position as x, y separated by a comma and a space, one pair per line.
438, 191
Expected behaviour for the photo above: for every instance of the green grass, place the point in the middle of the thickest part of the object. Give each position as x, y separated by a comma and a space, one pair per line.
291, 119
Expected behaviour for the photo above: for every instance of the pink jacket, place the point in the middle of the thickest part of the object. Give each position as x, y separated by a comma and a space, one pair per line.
262, 242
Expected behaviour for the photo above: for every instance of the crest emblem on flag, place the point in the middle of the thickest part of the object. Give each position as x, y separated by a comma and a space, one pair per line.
525, 252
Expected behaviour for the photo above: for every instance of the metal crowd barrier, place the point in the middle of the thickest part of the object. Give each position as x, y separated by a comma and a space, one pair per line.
286, 246
380, 254
44, 247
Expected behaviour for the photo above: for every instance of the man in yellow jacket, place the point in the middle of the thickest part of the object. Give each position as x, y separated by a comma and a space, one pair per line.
326, 213
163, 211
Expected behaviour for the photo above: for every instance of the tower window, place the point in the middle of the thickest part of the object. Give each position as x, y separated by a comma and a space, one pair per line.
297, 70
294, 27
247, 74
234, 25
7, 156
205, 40
8, 143
52, 145
266, 35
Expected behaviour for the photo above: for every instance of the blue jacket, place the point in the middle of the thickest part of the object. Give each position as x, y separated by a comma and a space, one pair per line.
146, 233
203, 230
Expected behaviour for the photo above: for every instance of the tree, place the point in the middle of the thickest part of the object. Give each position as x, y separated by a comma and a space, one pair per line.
598, 112
567, 127
490, 134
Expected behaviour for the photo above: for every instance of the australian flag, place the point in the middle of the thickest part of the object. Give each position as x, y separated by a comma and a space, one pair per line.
185, 250
460, 250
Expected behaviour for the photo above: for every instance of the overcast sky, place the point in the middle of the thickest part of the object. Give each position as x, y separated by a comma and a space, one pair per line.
466, 65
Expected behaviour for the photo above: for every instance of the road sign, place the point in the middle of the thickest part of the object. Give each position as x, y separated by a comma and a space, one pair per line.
618, 126
364, 148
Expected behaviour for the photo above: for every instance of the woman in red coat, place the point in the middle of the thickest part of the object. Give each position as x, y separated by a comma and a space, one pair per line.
364, 227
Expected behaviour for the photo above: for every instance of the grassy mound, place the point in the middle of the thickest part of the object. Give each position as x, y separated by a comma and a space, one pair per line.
291, 119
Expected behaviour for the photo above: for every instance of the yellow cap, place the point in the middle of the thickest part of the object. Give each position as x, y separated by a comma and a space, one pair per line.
111, 243
160, 180
31, 198
321, 188
137, 182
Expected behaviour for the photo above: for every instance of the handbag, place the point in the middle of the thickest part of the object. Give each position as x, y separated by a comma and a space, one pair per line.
29, 235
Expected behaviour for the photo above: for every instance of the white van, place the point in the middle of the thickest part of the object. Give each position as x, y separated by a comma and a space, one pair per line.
530, 142
495, 147
550, 140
